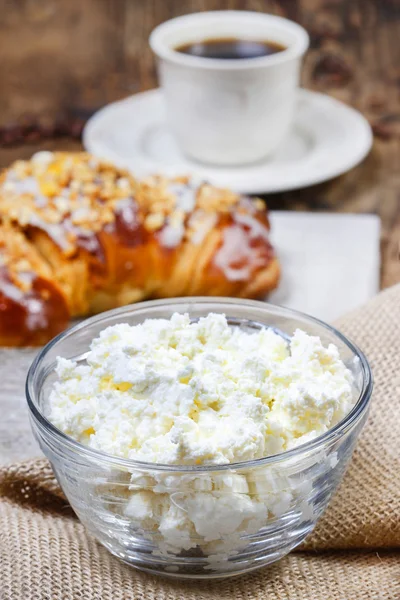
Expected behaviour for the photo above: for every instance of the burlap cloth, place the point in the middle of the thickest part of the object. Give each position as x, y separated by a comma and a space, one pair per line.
354, 553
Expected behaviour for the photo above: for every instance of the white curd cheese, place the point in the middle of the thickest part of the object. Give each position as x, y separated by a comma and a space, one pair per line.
202, 393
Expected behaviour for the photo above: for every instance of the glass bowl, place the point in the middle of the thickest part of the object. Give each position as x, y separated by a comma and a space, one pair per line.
198, 521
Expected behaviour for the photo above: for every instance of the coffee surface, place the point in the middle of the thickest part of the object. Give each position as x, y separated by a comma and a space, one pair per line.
231, 48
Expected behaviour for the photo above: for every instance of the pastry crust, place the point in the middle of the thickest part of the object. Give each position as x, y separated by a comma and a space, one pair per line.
33, 308
99, 239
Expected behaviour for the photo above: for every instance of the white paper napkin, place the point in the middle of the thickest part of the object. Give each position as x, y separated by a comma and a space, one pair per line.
330, 262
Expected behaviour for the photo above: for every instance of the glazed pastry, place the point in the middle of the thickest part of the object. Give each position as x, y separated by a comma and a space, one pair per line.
33, 307
91, 237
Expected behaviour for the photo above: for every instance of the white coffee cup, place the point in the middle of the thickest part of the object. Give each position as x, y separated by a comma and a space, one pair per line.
229, 111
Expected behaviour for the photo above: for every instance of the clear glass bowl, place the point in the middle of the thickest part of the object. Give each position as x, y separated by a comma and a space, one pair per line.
198, 521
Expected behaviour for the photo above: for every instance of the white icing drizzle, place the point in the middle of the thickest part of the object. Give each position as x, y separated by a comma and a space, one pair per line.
26, 277
40, 201
29, 185
80, 214
185, 197
55, 231
8, 186
256, 229
201, 223
33, 305
35, 315
11, 291
126, 207
235, 248
171, 236
124, 203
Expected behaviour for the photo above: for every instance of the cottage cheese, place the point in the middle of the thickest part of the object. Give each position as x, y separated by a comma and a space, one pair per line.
202, 393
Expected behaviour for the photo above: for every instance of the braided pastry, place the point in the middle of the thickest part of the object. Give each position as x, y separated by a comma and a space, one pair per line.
79, 236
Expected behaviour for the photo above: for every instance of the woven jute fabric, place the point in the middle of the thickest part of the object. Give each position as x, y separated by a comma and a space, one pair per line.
353, 554
365, 512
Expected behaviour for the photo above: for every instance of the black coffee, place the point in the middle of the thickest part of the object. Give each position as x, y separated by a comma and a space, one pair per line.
231, 48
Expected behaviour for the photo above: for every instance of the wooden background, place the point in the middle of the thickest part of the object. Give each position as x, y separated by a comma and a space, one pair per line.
63, 59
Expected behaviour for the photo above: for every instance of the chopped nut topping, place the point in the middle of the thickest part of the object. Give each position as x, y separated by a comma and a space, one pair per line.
259, 204
22, 265
154, 221
55, 187
176, 218
70, 195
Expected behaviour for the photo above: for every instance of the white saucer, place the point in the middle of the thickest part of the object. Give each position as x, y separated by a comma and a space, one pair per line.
327, 139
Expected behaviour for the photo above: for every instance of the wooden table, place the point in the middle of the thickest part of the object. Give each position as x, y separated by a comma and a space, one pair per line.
63, 59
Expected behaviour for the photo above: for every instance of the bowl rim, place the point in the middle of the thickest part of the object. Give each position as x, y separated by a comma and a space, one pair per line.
337, 431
